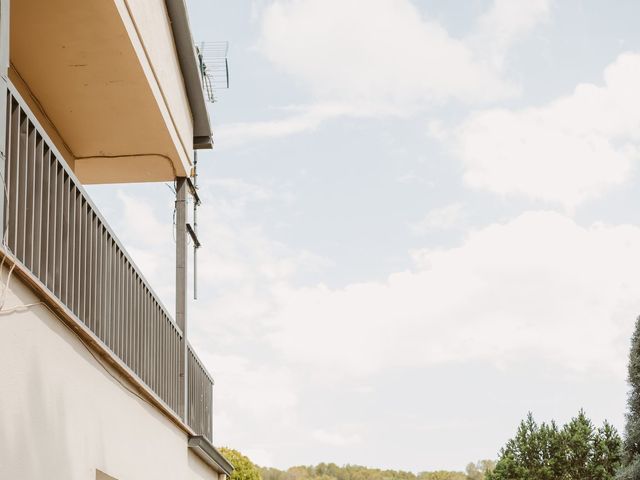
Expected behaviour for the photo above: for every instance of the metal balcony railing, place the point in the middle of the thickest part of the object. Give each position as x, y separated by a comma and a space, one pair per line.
56, 232
199, 396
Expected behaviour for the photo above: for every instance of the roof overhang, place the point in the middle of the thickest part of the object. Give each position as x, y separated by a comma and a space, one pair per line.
210, 455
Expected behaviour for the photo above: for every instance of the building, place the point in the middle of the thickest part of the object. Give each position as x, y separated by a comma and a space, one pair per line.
97, 378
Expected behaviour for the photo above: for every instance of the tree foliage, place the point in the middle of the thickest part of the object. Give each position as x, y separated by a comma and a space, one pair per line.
578, 451
477, 471
631, 449
331, 471
244, 469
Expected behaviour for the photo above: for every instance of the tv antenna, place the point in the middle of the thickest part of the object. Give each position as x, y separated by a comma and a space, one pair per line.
214, 67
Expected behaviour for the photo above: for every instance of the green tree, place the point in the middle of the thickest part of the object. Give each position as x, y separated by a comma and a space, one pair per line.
244, 469
578, 451
442, 475
579, 437
631, 448
607, 453
331, 471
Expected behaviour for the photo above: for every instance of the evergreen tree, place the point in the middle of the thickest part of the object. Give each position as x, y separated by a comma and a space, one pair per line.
607, 453
576, 452
631, 449
579, 439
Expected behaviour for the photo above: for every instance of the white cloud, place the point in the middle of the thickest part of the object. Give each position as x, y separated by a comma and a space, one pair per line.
568, 151
258, 392
249, 399
504, 23
259, 456
539, 286
380, 58
442, 218
303, 119
336, 439
387, 52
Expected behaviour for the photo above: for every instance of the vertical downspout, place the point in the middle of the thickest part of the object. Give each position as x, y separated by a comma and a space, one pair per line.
181, 289
4, 73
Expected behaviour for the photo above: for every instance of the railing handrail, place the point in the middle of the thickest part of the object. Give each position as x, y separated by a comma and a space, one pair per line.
42, 131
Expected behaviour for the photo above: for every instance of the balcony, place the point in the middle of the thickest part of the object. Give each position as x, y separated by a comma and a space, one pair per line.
118, 80
58, 242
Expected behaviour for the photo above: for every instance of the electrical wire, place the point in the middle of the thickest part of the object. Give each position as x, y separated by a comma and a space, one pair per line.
5, 245
27, 306
6, 286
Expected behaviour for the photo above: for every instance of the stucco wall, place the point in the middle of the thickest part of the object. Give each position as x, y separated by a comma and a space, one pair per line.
62, 416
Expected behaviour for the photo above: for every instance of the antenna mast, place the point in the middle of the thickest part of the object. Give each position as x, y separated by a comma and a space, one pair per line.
196, 245
214, 68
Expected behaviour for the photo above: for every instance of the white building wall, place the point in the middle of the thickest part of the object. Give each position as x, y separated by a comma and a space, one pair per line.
63, 416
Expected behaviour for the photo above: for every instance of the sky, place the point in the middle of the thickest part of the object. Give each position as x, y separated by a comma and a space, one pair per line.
420, 222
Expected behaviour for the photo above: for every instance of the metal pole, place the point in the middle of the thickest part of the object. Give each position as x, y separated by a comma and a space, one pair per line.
195, 226
181, 287
4, 74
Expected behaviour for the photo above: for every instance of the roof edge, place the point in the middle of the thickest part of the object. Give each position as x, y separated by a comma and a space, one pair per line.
190, 69
210, 454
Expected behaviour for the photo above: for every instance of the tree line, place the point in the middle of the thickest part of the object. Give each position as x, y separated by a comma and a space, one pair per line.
246, 470
331, 471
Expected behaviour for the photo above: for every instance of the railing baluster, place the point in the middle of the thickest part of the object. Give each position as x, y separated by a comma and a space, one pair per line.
116, 292
59, 226
123, 324
53, 215
22, 180
29, 195
78, 252
112, 296
37, 208
12, 172
66, 216
154, 339
44, 225
109, 275
165, 361
85, 261
138, 323
91, 269
127, 313
71, 247
145, 344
